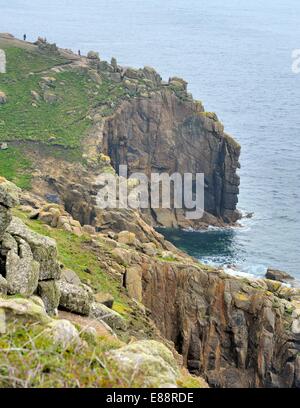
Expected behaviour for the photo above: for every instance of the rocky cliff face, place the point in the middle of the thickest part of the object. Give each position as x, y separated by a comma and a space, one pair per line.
235, 332
166, 133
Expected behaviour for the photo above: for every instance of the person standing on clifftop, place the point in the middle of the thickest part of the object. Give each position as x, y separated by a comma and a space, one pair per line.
24, 37
79, 53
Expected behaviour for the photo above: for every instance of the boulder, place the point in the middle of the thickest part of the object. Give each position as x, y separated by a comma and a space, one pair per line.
69, 276
50, 295
149, 248
3, 146
93, 55
9, 193
108, 316
75, 298
44, 249
89, 229
147, 360
122, 256
64, 334
277, 275
22, 271
22, 308
126, 238
133, 73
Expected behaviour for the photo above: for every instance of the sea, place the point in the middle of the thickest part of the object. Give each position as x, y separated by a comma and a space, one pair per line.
237, 57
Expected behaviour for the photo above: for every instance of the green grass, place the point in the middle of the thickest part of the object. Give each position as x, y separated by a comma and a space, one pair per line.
62, 123
15, 167
28, 358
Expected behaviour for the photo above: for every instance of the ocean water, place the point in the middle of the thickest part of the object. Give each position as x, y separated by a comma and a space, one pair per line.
236, 56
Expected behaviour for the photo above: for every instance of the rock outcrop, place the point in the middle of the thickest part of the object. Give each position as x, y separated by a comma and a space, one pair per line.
280, 276
165, 134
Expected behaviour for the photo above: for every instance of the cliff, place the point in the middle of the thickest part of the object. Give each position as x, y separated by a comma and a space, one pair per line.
166, 134
64, 120
88, 116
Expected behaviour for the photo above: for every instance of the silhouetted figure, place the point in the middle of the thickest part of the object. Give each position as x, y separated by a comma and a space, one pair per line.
24, 37
79, 53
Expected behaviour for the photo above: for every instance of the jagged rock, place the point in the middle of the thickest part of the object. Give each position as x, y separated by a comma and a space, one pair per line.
3, 285
3, 98
50, 295
280, 276
103, 313
44, 249
105, 298
70, 277
75, 298
64, 334
126, 237
22, 271
150, 360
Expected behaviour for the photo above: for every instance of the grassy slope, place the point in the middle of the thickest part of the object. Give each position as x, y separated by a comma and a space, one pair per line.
62, 123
